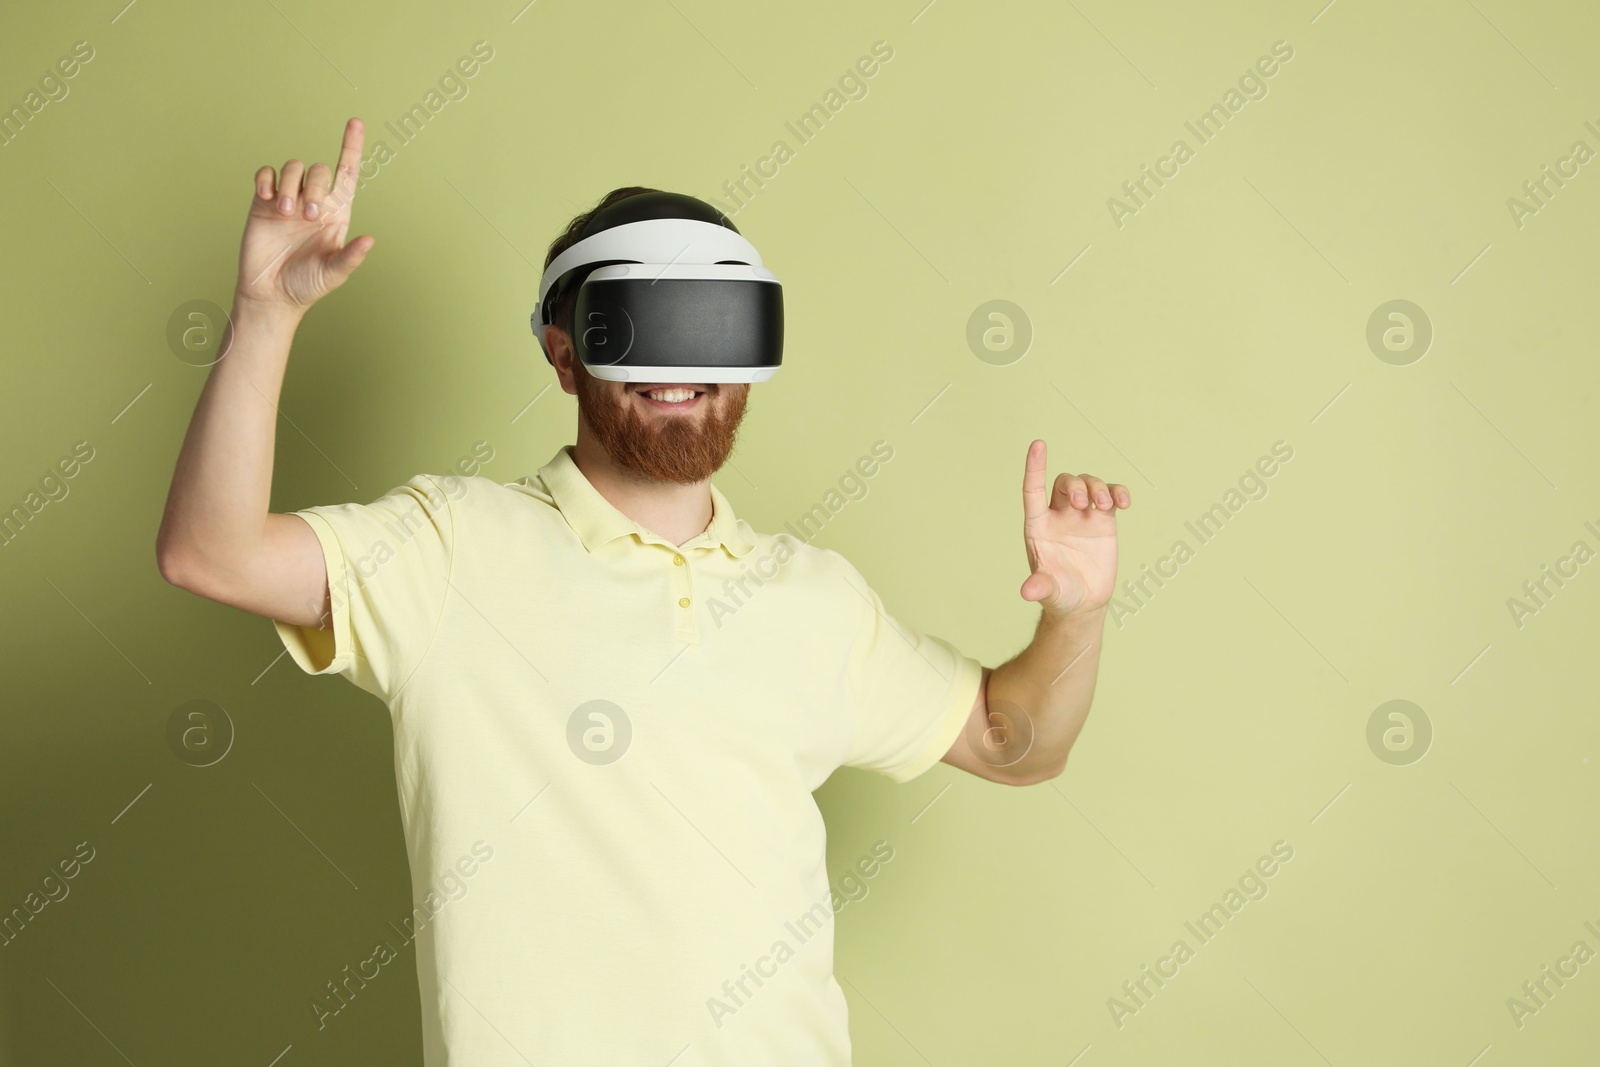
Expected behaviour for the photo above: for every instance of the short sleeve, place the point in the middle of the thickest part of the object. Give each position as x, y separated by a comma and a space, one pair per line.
912, 692
388, 566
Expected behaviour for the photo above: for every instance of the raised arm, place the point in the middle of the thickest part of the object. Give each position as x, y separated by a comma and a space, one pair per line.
217, 538
1029, 710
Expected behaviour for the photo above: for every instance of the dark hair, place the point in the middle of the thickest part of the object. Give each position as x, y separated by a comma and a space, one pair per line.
564, 307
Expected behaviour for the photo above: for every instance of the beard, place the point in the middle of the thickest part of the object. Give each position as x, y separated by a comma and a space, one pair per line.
677, 448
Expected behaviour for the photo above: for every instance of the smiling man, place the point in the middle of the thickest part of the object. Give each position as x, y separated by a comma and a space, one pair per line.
558, 693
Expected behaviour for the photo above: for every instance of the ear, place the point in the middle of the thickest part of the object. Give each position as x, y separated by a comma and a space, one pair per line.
562, 356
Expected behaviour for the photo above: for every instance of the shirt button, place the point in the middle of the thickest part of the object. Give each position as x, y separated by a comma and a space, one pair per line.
683, 602
677, 561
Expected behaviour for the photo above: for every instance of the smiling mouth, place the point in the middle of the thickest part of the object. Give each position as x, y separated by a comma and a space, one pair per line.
671, 397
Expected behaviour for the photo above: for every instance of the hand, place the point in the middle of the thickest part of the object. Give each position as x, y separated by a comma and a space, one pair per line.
1071, 539
293, 256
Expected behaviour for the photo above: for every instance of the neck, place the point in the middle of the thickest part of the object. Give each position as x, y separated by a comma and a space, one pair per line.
677, 513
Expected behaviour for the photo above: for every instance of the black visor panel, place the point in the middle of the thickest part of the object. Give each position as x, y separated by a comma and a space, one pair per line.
679, 322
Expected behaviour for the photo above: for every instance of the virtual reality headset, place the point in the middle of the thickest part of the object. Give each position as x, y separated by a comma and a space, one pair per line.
667, 291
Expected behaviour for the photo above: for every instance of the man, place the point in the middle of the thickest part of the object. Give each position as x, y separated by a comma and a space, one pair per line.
626, 778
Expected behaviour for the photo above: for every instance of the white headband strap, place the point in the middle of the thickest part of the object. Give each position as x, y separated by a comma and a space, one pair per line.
654, 241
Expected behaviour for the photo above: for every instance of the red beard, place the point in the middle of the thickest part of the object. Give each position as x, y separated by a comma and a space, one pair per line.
683, 449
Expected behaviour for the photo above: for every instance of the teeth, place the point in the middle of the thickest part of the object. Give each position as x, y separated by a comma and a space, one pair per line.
671, 396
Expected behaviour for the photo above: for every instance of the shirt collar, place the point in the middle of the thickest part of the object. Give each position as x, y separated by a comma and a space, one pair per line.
596, 522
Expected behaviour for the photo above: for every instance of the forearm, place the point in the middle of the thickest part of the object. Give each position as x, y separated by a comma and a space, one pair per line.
216, 511
1051, 682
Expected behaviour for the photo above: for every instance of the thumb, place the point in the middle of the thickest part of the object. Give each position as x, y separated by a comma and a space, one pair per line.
344, 262
1038, 586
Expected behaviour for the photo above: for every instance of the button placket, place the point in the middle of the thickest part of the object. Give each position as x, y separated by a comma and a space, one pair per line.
687, 625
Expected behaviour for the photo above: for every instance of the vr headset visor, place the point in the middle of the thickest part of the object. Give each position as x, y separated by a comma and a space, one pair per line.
667, 299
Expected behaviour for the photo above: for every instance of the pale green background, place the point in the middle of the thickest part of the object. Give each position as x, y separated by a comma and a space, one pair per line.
1223, 317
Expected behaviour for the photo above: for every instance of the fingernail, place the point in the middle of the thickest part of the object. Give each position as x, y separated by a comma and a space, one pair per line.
312, 210
286, 204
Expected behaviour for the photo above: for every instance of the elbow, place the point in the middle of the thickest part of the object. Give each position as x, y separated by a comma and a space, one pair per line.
176, 562
170, 562
1043, 773
194, 568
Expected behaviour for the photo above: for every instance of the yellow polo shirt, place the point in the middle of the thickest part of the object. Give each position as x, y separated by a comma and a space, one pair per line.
605, 748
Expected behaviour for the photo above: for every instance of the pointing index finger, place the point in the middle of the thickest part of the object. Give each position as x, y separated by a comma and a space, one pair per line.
1034, 503
344, 183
